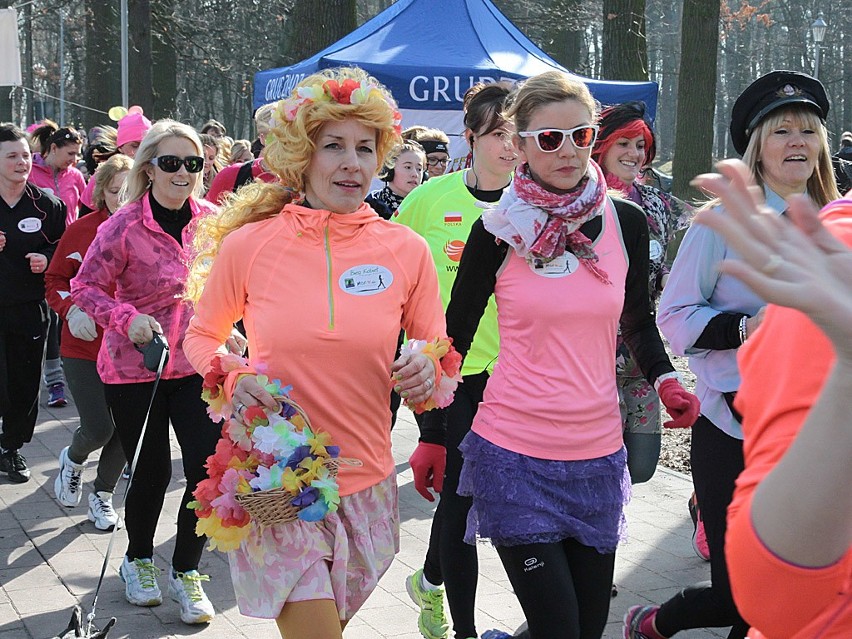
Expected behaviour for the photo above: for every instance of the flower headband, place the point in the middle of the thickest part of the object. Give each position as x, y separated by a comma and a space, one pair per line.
348, 92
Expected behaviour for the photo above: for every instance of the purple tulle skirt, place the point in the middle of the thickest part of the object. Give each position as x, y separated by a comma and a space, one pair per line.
525, 500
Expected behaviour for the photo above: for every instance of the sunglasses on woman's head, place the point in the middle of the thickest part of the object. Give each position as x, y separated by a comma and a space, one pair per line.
172, 163
551, 140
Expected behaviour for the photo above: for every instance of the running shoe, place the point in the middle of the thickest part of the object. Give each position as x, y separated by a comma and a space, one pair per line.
68, 484
185, 588
56, 395
15, 465
637, 623
432, 621
101, 513
699, 536
140, 582
496, 634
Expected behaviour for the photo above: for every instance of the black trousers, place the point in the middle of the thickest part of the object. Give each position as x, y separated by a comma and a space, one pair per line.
23, 328
564, 588
178, 401
717, 461
449, 560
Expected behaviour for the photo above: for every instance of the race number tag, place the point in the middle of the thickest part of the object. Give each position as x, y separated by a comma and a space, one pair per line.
561, 266
366, 279
655, 251
29, 225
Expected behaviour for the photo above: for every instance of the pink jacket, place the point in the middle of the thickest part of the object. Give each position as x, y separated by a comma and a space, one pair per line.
68, 185
148, 271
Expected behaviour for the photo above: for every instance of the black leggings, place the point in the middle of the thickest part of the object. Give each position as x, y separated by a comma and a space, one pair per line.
178, 401
564, 588
717, 461
22, 331
449, 560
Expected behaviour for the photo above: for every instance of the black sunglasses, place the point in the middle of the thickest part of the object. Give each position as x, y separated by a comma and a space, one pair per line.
172, 163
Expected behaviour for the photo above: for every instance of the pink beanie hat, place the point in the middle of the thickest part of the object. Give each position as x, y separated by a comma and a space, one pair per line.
132, 127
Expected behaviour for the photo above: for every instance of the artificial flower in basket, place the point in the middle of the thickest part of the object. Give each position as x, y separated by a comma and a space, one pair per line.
270, 467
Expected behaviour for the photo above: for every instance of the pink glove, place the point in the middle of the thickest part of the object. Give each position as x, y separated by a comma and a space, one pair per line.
428, 461
682, 405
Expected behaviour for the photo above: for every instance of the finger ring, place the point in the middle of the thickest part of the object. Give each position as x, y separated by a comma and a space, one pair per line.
429, 383
240, 408
772, 265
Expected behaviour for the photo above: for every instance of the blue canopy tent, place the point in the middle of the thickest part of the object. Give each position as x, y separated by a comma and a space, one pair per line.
429, 52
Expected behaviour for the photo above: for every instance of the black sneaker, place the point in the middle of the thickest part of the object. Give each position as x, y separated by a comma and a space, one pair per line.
15, 465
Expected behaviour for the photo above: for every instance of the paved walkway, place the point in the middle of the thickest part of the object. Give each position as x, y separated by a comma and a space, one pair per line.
50, 558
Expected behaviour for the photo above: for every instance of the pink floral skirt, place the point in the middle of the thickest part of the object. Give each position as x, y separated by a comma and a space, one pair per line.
341, 557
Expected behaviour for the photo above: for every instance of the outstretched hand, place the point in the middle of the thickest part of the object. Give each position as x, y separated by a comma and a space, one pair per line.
793, 262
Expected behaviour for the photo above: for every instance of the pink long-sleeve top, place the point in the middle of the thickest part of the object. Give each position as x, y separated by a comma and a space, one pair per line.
147, 269
323, 297
68, 185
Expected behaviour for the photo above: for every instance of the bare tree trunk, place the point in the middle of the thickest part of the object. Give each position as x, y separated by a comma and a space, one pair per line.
5, 96
625, 49
141, 59
697, 95
315, 24
101, 57
663, 19
164, 56
28, 61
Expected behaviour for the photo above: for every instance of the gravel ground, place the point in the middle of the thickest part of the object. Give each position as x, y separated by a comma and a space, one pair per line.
676, 441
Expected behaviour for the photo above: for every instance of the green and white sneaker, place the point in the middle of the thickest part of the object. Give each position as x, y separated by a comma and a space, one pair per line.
140, 582
432, 621
185, 588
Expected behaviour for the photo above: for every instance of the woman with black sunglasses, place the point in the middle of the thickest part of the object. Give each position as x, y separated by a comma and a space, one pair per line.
545, 462
131, 283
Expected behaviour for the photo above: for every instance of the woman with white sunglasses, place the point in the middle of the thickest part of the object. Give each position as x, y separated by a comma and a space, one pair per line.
545, 462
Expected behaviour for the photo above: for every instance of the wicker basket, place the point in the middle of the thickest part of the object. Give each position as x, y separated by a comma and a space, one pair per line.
274, 506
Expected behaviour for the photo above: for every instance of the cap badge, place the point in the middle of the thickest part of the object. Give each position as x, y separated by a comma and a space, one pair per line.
788, 90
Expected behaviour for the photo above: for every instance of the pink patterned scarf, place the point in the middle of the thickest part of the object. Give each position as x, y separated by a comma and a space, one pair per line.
543, 224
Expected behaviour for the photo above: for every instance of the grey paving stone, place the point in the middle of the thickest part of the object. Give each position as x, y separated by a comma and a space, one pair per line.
50, 558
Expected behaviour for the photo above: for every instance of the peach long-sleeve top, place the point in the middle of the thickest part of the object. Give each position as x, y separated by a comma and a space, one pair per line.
323, 296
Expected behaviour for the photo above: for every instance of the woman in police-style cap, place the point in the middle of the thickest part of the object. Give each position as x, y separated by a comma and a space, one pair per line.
777, 124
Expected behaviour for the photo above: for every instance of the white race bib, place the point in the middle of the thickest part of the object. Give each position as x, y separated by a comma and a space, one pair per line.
655, 251
561, 266
366, 279
29, 225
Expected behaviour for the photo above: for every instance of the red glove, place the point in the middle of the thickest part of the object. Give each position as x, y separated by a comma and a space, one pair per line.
682, 405
428, 461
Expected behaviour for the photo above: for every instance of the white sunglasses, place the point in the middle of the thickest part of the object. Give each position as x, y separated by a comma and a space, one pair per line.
551, 140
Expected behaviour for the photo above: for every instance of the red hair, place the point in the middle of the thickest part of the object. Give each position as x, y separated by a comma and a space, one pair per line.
629, 130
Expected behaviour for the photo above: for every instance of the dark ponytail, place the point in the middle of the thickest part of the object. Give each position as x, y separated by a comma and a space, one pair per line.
11, 133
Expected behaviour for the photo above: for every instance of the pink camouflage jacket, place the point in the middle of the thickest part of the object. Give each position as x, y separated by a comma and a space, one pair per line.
148, 269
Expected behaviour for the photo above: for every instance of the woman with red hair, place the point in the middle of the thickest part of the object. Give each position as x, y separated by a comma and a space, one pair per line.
624, 149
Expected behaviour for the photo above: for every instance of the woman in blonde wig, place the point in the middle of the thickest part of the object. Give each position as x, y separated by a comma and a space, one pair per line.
290, 259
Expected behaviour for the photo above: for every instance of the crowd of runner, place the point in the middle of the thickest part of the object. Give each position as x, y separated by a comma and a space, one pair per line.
544, 257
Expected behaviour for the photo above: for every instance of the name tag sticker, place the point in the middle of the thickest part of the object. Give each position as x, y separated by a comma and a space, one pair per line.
655, 250
366, 279
29, 225
561, 266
